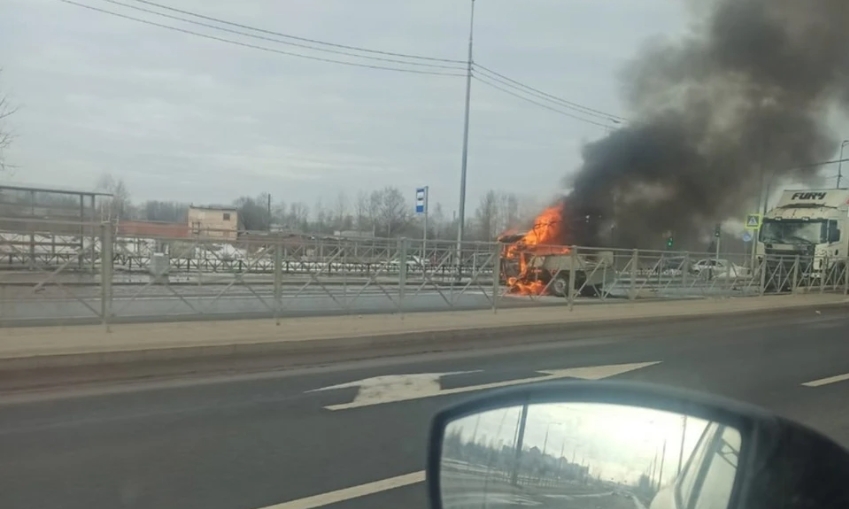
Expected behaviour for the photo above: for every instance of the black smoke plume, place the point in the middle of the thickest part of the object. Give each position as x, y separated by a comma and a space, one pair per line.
752, 88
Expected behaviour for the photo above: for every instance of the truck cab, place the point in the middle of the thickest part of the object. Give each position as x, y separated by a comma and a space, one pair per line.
810, 224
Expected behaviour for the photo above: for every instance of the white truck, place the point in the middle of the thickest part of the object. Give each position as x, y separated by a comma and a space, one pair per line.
812, 224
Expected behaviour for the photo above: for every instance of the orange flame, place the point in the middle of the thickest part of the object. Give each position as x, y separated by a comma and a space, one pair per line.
545, 238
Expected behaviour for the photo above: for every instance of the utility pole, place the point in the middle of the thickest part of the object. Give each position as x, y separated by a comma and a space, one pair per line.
462, 209
268, 210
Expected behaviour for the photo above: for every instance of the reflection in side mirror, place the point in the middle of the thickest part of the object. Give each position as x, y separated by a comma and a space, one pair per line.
586, 454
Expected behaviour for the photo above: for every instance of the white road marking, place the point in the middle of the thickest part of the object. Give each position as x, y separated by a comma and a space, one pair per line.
332, 497
394, 388
826, 381
581, 495
829, 324
375, 389
383, 389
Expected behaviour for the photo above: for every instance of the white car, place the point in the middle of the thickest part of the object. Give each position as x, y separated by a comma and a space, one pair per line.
713, 268
414, 263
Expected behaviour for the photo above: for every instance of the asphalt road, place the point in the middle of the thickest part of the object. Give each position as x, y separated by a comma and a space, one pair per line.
252, 441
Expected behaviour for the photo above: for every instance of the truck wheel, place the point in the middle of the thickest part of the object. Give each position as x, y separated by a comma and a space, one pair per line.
560, 286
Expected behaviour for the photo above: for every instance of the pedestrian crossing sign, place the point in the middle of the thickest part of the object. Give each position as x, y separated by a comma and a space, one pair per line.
753, 221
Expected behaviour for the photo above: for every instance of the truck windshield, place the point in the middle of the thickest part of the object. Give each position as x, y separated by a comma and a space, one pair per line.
794, 231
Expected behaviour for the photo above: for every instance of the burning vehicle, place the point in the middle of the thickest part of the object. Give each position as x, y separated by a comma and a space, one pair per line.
540, 261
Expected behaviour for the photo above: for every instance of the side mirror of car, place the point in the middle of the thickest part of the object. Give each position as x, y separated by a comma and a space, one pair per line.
602, 444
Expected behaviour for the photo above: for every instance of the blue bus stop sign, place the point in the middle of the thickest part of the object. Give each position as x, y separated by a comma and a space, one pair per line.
421, 200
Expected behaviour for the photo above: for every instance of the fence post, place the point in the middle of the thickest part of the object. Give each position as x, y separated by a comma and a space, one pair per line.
93, 232
846, 276
402, 272
685, 269
278, 281
795, 274
496, 278
660, 266
635, 259
573, 264
32, 252
106, 274
764, 266
825, 269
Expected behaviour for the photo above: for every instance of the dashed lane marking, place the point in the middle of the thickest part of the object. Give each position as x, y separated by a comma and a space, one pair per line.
826, 381
332, 497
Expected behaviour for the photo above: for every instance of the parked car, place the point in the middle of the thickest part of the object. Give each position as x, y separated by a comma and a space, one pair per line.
414, 263
719, 268
672, 267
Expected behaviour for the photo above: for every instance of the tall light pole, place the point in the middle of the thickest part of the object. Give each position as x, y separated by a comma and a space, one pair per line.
840, 163
462, 209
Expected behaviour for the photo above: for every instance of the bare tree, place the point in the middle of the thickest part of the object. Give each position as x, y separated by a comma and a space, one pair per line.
299, 216
278, 214
392, 212
486, 216
323, 218
170, 211
253, 213
341, 218
374, 201
436, 222
361, 210
119, 206
508, 212
6, 136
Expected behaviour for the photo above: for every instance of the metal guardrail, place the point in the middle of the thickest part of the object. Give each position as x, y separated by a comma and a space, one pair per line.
48, 277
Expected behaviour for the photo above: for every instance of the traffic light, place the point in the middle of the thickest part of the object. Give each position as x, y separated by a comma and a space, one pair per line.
669, 242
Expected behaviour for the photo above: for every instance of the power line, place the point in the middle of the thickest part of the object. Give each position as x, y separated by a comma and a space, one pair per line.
257, 47
504, 80
821, 163
489, 73
305, 46
541, 105
303, 39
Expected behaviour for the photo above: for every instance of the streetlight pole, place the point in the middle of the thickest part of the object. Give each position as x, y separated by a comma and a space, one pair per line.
840, 163
462, 209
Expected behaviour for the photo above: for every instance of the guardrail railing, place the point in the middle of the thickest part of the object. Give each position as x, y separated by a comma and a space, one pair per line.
49, 275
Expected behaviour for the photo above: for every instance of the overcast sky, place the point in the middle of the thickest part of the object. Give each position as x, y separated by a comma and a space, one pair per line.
183, 118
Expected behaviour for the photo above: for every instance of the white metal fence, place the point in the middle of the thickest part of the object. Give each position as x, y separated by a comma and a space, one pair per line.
48, 277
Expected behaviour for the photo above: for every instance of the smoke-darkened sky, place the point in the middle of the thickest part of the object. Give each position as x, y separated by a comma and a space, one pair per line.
752, 88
